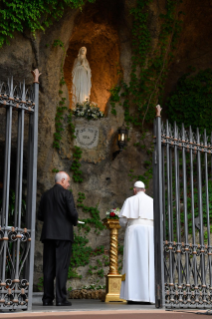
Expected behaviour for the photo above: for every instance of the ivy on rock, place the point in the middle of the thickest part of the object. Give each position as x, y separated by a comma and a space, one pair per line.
18, 15
191, 102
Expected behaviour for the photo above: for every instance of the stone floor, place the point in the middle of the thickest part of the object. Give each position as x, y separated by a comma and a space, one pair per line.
93, 305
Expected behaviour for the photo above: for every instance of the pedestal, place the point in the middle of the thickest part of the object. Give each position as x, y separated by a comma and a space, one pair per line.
113, 279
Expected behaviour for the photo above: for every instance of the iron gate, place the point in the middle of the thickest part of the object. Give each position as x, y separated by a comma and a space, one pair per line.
17, 233
182, 210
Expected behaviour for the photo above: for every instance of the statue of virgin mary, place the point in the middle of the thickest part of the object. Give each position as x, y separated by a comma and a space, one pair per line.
81, 78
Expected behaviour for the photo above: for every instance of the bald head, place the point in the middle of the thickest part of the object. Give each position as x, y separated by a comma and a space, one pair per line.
63, 179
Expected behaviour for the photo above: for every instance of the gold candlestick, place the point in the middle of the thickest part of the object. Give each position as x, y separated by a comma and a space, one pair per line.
113, 279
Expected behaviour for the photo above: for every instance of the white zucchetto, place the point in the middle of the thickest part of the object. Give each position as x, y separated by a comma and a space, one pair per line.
139, 184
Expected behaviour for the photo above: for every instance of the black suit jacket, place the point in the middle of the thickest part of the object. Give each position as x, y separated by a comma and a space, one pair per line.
57, 211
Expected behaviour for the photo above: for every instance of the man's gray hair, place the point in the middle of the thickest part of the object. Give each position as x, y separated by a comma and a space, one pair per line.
59, 176
139, 189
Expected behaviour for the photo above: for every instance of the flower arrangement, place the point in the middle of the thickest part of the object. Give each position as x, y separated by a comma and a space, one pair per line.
87, 109
113, 213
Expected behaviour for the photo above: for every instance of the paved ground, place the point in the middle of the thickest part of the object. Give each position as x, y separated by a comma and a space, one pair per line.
94, 309
94, 305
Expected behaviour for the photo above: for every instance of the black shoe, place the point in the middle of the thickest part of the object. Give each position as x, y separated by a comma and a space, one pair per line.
64, 303
47, 303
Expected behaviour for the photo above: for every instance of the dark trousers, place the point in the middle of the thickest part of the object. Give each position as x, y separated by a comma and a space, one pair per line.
56, 260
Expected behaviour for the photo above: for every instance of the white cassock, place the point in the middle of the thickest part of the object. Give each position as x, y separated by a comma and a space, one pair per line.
138, 259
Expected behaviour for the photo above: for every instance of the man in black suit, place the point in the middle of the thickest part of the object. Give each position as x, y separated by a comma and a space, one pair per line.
57, 211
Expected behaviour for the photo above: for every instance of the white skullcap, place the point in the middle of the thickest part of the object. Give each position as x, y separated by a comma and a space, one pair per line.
139, 184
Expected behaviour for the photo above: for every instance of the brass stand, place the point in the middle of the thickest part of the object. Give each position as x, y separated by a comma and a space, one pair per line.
113, 279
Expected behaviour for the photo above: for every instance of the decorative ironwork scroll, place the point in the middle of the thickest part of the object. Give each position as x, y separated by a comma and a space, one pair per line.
17, 231
182, 178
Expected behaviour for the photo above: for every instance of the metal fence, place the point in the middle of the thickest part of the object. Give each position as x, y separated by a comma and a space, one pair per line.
183, 210
17, 232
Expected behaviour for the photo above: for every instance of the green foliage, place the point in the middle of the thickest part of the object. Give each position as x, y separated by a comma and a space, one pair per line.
59, 43
12, 207
75, 166
106, 260
58, 124
18, 15
99, 250
149, 69
100, 273
61, 108
81, 251
80, 255
55, 170
94, 220
94, 287
120, 249
115, 97
191, 102
148, 174
99, 263
196, 210
71, 125
40, 284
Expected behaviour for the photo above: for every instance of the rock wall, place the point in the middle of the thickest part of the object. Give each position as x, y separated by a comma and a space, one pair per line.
105, 29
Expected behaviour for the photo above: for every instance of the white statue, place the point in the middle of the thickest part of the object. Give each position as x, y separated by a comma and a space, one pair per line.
81, 78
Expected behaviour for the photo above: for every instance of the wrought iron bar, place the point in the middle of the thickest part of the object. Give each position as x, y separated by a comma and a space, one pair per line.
170, 216
177, 208
186, 249
163, 190
207, 209
201, 234
194, 250
33, 165
158, 215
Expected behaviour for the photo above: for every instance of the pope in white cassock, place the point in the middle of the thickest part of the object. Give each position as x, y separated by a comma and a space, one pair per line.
138, 283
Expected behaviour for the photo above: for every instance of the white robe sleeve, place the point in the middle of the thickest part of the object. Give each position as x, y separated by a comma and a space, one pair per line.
123, 221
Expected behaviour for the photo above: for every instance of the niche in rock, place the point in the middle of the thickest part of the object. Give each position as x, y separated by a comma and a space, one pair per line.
96, 29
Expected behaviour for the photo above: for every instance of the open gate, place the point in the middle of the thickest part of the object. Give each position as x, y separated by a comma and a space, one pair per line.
17, 232
182, 211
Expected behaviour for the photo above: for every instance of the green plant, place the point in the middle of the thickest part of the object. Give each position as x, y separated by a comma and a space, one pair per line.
40, 284
99, 263
77, 173
80, 255
191, 101
58, 124
149, 69
115, 97
100, 273
61, 108
18, 15
94, 287
106, 260
120, 249
12, 208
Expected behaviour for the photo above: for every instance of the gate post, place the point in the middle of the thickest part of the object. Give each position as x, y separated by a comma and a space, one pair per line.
158, 213
32, 178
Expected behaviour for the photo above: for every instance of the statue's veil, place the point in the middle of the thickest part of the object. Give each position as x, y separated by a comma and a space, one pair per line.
81, 79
